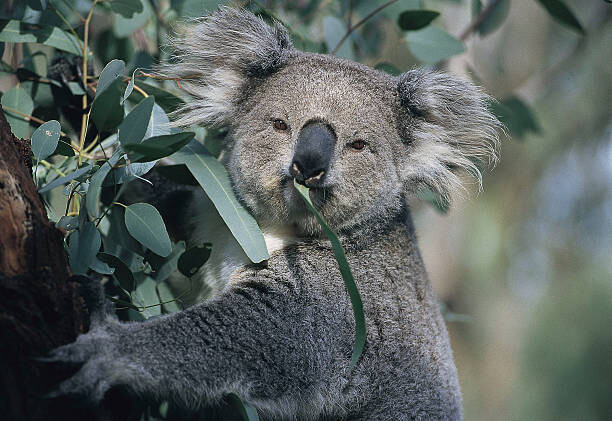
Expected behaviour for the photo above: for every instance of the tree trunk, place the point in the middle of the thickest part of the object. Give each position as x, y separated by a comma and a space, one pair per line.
39, 308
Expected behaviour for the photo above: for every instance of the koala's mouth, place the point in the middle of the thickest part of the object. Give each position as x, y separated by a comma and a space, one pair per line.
319, 196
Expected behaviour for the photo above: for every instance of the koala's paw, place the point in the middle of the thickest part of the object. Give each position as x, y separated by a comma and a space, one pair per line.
92, 292
100, 370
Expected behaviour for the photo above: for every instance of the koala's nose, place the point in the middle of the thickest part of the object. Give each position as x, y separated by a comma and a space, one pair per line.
313, 153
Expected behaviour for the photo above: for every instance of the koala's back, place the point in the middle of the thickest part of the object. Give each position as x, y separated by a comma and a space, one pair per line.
406, 370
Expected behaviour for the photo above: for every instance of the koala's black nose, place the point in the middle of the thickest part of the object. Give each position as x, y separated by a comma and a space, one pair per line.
313, 153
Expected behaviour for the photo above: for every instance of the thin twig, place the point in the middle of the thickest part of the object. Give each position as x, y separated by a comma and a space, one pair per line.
28, 117
482, 16
361, 22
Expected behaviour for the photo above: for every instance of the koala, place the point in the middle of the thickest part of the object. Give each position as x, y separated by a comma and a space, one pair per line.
280, 334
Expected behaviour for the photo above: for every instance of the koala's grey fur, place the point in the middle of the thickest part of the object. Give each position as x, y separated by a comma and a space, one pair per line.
280, 335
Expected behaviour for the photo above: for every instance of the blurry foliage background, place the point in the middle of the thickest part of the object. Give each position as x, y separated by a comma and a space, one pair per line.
524, 269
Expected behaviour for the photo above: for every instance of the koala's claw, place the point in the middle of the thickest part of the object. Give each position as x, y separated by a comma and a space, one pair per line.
92, 381
93, 293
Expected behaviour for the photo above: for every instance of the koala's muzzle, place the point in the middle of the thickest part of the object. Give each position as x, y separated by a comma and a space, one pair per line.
313, 154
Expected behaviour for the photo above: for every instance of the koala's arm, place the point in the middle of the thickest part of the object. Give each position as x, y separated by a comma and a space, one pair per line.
268, 339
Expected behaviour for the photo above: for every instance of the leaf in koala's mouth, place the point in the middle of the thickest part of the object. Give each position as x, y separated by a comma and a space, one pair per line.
347, 276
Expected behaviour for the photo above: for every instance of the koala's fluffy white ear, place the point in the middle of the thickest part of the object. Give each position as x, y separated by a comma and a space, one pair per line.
215, 56
448, 128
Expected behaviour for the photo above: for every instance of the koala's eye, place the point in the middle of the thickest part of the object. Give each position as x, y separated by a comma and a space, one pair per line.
280, 125
358, 145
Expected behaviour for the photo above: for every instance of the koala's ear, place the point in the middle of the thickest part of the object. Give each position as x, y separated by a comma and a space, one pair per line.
447, 127
216, 55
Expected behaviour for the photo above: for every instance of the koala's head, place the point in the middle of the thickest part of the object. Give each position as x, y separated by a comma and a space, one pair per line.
362, 140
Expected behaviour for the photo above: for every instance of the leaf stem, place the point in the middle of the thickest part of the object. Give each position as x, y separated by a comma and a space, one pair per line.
482, 16
358, 24
28, 117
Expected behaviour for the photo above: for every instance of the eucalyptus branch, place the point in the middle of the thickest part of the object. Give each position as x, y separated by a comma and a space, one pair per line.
361, 22
482, 16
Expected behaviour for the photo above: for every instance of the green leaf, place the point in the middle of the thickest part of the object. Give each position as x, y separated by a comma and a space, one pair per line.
37, 4
45, 139
438, 202
68, 223
69, 177
213, 178
106, 110
165, 99
496, 17
18, 99
134, 126
64, 149
247, 411
516, 115
347, 276
193, 259
100, 267
113, 70
334, 29
122, 272
19, 32
177, 173
562, 14
146, 225
130, 87
432, 44
124, 26
159, 124
195, 8
388, 68
126, 8
146, 296
168, 299
157, 147
412, 20
84, 244
164, 267
92, 200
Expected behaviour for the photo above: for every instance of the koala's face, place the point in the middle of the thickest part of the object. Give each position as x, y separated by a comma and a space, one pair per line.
361, 139
329, 123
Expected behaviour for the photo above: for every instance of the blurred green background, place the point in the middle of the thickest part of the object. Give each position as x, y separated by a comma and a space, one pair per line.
524, 268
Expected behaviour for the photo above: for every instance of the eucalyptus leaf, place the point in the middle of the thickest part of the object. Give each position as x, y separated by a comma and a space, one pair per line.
126, 8
165, 267
113, 70
68, 177
68, 223
134, 125
247, 411
130, 87
19, 32
45, 139
100, 267
165, 99
121, 273
146, 296
146, 225
167, 298
563, 14
18, 99
347, 276
193, 258
63, 148
412, 20
516, 116
157, 147
84, 244
495, 18
92, 200
159, 124
213, 178
432, 44
106, 110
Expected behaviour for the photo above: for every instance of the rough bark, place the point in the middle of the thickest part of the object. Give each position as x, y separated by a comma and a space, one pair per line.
39, 308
